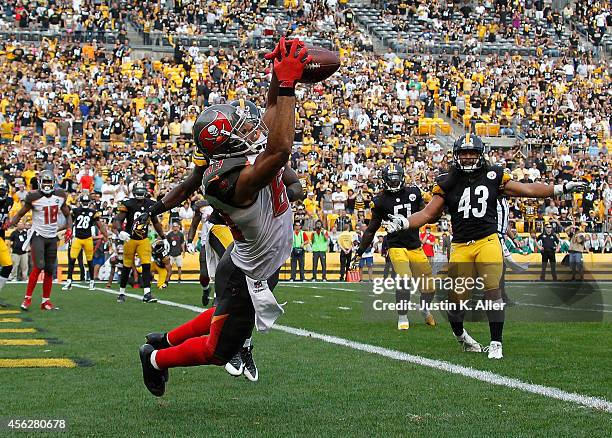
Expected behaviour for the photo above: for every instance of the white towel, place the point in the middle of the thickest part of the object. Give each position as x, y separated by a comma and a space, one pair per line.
267, 309
26, 245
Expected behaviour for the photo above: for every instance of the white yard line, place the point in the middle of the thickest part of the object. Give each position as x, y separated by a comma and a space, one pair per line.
483, 376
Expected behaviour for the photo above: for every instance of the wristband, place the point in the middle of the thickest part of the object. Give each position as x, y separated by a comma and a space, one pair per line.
287, 90
157, 208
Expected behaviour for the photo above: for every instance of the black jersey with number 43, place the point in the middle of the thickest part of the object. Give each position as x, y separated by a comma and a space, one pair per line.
133, 208
406, 201
83, 219
471, 199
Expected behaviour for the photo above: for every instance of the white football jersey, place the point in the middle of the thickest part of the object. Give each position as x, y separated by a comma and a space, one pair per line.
46, 211
262, 232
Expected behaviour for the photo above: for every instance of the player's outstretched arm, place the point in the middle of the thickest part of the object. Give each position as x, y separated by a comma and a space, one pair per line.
369, 233
103, 229
288, 67
21, 213
158, 227
295, 191
68, 215
180, 193
537, 190
429, 214
118, 222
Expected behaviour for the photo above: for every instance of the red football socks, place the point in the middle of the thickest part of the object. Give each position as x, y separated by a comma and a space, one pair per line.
47, 284
198, 326
194, 351
32, 281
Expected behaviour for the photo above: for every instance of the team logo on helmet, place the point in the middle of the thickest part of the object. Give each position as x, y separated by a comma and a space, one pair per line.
412, 197
216, 133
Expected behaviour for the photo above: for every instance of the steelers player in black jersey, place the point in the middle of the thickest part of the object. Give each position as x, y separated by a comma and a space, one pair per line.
136, 239
405, 250
83, 219
161, 262
469, 191
6, 263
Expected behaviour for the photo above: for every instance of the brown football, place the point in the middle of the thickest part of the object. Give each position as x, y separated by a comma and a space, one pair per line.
324, 63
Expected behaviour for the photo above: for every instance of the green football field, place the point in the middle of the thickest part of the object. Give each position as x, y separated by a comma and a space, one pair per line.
364, 379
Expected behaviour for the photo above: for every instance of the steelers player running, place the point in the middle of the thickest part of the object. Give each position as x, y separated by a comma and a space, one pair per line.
136, 239
6, 263
161, 262
46, 204
405, 250
245, 183
470, 191
83, 218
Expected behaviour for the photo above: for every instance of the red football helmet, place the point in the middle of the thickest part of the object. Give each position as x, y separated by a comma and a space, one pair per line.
223, 131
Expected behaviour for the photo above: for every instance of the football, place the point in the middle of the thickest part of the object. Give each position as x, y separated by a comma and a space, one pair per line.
324, 63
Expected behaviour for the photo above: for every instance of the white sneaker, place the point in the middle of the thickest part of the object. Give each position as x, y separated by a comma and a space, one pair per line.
469, 344
235, 366
495, 350
92, 285
68, 285
403, 323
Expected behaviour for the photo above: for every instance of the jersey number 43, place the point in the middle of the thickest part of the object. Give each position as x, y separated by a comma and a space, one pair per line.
481, 194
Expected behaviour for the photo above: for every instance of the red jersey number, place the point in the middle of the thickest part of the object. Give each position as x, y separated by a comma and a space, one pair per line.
50, 212
280, 200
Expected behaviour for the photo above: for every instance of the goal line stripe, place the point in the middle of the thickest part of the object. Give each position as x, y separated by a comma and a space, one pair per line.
483, 376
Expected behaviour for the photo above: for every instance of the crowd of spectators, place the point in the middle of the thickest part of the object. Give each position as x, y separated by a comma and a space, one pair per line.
100, 119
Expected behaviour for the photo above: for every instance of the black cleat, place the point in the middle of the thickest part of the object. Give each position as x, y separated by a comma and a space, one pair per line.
149, 298
250, 369
154, 379
121, 298
205, 296
3, 304
157, 340
235, 367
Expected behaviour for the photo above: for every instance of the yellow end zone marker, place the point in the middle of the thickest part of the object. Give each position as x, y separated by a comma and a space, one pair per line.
37, 363
10, 319
9, 312
18, 330
16, 342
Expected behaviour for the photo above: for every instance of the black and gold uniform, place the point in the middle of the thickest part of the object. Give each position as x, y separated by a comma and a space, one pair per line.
471, 199
138, 242
161, 263
83, 218
405, 250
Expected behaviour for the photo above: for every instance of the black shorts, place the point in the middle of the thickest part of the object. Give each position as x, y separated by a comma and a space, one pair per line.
44, 252
235, 302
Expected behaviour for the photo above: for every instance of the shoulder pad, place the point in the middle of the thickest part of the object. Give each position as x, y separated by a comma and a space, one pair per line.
32, 196
215, 171
61, 193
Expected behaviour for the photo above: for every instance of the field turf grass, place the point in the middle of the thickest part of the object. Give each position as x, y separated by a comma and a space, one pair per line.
307, 387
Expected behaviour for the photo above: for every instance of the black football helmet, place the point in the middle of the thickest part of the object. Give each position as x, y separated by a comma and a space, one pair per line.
393, 177
4, 189
46, 182
160, 249
140, 190
230, 130
468, 143
85, 200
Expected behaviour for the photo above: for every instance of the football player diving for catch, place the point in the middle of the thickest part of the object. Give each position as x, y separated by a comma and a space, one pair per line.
405, 250
470, 191
83, 218
245, 183
45, 203
136, 239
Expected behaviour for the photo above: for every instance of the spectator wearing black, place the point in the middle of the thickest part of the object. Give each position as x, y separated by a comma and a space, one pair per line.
18, 255
176, 238
548, 243
300, 240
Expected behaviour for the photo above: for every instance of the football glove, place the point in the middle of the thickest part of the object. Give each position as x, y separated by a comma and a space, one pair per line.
67, 235
142, 219
275, 53
355, 262
396, 222
6, 225
289, 66
190, 248
124, 235
140, 230
570, 187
